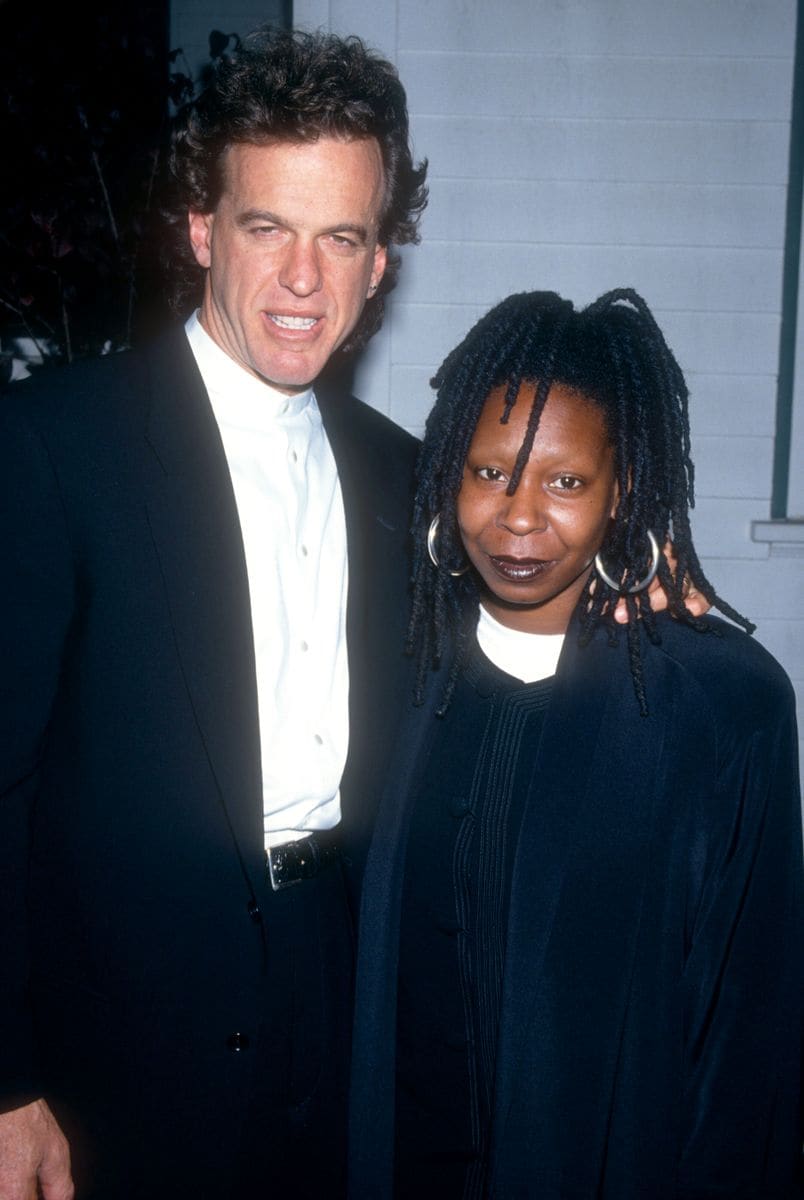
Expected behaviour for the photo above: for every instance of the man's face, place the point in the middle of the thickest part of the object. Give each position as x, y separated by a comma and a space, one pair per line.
292, 254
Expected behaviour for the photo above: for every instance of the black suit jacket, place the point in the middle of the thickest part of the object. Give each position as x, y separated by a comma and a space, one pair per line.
649, 1040
131, 843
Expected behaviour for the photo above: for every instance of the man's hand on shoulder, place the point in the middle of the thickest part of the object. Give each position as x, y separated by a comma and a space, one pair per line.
33, 1148
697, 604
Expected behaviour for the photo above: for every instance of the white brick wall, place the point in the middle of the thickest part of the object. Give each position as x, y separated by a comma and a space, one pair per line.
581, 145
585, 144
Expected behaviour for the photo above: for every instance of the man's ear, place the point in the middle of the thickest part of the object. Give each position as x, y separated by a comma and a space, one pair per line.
378, 268
200, 230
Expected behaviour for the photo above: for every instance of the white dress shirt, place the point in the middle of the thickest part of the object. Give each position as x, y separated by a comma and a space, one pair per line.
294, 533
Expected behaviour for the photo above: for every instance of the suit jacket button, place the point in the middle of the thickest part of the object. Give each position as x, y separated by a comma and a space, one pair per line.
254, 910
237, 1042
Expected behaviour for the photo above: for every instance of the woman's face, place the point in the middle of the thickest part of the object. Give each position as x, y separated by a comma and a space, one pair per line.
533, 550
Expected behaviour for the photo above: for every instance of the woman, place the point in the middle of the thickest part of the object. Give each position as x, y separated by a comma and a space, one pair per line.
581, 927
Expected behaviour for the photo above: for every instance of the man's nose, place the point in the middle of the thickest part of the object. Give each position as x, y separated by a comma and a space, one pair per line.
301, 268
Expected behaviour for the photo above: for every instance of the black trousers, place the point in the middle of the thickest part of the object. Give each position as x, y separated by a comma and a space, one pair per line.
274, 1123
294, 1137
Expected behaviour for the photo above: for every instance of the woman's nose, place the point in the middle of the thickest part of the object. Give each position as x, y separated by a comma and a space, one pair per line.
524, 511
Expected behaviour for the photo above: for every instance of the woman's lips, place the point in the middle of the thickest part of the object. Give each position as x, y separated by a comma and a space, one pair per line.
519, 570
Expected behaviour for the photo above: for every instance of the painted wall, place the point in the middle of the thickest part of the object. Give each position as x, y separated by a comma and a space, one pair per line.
581, 145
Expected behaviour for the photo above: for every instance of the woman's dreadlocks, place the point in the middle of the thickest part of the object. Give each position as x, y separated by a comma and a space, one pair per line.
614, 353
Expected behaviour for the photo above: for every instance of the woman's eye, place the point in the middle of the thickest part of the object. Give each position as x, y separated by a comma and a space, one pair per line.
491, 474
568, 483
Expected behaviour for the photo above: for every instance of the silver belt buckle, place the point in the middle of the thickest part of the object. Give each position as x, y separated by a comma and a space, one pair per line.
286, 864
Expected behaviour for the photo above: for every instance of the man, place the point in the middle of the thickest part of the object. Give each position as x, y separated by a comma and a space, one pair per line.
193, 537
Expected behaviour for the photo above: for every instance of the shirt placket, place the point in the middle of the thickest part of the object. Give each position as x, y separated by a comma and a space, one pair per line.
307, 539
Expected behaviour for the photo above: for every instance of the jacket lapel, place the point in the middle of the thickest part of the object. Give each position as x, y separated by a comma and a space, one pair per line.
373, 526
375, 469
196, 530
356, 504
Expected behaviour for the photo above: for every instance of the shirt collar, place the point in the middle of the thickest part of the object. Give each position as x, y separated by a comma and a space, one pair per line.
238, 397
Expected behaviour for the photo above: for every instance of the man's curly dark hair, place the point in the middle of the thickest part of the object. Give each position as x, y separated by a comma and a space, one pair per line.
290, 85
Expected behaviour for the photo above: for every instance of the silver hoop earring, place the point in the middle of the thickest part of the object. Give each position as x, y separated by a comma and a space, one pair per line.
432, 534
643, 583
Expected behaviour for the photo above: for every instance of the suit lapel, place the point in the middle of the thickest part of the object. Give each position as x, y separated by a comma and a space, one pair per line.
357, 509
372, 520
375, 473
196, 530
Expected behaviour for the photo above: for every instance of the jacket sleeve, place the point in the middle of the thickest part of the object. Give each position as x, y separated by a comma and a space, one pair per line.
36, 604
743, 977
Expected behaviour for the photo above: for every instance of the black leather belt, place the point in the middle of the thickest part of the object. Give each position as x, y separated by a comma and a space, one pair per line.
293, 862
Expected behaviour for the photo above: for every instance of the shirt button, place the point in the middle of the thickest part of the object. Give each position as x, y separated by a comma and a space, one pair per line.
304, 646
304, 551
253, 909
294, 456
319, 739
237, 1042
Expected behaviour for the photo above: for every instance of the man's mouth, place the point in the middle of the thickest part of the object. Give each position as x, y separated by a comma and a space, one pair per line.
285, 322
519, 570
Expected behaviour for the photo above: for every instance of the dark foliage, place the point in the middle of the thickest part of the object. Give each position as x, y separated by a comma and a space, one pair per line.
85, 95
